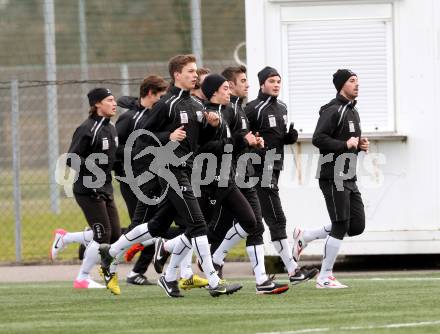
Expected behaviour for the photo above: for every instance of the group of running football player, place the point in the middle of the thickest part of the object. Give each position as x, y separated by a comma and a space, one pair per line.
199, 172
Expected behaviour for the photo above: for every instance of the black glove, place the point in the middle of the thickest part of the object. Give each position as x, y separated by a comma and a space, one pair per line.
292, 135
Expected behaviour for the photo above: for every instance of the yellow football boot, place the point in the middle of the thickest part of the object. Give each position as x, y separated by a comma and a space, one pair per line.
195, 281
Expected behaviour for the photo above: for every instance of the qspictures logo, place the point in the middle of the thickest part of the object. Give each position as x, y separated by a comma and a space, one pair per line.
161, 159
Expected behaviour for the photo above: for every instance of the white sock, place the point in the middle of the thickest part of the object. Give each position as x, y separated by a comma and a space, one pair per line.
138, 234
234, 235
83, 237
201, 248
149, 242
181, 250
320, 233
285, 252
331, 250
91, 258
186, 266
169, 244
256, 255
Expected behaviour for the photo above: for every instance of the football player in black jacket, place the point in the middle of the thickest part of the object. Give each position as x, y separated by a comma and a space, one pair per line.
227, 196
92, 154
151, 90
268, 116
338, 137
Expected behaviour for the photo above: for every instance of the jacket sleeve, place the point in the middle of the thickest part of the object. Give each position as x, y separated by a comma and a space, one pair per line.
238, 133
123, 128
322, 137
236, 123
252, 114
216, 146
207, 133
163, 136
80, 146
157, 121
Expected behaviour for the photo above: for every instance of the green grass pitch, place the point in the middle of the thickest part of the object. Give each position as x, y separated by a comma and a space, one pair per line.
400, 303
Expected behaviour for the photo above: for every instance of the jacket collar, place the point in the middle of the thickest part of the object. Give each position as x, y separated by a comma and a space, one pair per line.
176, 91
214, 106
98, 118
344, 100
236, 99
264, 96
199, 99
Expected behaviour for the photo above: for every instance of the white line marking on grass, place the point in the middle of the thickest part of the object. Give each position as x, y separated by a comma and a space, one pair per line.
352, 328
408, 324
402, 279
409, 279
300, 331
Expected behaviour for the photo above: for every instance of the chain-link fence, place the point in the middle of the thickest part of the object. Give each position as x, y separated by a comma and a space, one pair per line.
52, 53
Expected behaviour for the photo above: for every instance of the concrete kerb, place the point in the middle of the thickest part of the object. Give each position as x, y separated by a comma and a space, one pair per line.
60, 272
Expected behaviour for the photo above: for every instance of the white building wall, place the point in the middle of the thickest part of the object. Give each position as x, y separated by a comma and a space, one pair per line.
399, 179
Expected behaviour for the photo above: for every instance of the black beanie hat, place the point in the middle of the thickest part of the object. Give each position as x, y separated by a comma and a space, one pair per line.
98, 94
267, 72
340, 78
211, 84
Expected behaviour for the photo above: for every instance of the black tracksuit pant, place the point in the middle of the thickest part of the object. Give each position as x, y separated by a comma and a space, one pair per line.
232, 200
345, 208
140, 213
271, 207
223, 220
143, 212
187, 206
101, 215
129, 197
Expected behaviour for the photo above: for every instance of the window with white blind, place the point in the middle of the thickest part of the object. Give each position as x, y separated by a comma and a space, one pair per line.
316, 45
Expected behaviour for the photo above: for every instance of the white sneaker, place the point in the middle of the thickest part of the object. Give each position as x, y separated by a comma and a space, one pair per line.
58, 243
87, 283
329, 282
298, 243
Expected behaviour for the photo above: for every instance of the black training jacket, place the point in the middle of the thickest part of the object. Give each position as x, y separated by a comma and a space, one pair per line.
268, 116
95, 135
223, 136
177, 108
237, 117
239, 123
338, 121
124, 126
